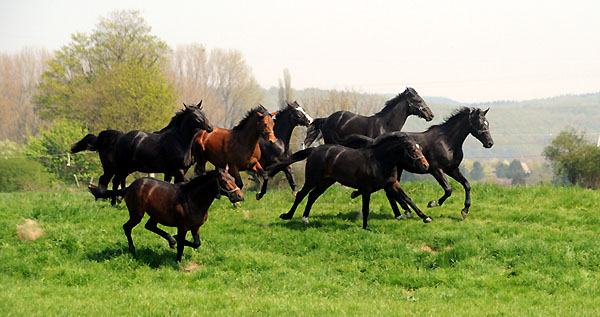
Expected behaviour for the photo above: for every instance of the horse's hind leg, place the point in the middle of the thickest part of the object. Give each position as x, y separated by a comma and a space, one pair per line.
132, 222
151, 225
312, 197
289, 174
400, 195
441, 179
263, 190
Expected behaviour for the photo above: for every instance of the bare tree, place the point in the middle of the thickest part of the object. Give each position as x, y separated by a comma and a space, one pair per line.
285, 89
19, 76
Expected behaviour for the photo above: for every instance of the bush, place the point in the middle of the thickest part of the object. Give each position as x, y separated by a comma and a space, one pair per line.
18, 174
53, 144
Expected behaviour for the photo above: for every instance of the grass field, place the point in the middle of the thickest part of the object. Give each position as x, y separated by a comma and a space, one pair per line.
522, 251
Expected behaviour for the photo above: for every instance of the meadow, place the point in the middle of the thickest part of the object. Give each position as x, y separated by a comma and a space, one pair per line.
522, 251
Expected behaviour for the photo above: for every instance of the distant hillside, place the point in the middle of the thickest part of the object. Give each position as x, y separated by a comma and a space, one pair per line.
520, 129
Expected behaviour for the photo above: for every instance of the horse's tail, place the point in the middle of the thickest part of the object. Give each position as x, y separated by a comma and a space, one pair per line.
103, 192
87, 143
314, 131
298, 156
356, 141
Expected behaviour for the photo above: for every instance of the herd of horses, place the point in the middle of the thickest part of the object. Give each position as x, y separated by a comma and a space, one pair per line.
367, 153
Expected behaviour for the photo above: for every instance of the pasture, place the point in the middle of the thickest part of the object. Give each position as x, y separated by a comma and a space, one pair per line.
521, 251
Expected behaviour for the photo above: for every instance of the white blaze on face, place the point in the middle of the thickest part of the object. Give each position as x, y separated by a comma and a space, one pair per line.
309, 118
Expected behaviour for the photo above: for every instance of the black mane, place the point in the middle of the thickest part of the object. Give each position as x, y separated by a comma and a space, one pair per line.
394, 101
455, 115
249, 114
201, 180
176, 120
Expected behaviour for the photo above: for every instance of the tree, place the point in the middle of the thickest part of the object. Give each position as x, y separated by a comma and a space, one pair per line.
221, 78
285, 89
576, 158
119, 67
477, 171
19, 76
502, 170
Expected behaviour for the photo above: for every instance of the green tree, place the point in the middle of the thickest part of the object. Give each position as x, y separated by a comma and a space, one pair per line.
502, 170
477, 171
574, 157
112, 78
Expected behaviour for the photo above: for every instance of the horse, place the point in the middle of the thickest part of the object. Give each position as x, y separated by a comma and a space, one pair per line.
105, 144
368, 169
238, 148
392, 117
442, 147
285, 121
182, 205
166, 151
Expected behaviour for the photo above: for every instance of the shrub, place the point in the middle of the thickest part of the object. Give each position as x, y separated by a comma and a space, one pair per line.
18, 174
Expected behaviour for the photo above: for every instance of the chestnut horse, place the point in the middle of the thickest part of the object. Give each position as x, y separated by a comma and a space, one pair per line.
237, 147
182, 205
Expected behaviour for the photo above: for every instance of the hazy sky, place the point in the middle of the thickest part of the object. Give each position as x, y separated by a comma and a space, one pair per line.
470, 51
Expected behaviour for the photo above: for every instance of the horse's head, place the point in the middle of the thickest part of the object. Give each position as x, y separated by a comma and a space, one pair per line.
265, 124
414, 153
228, 187
416, 105
298, 115
480, 127
199, 117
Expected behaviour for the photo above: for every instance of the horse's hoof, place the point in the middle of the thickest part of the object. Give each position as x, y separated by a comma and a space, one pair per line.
400, 217
408, 214
354, 194
285, 216
258, 196
427, 220
172, 245
294, 192
433, 203
237, 204
464, 213
366, 228
305, 220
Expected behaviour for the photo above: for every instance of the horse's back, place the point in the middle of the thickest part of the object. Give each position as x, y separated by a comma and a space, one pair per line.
344, 123
159, 199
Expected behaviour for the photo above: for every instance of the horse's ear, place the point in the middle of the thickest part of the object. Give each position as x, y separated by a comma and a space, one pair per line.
486, 111
226, 168
185, 106
199, 105
273, 113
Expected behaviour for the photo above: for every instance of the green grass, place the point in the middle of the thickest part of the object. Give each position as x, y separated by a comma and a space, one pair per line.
522, 251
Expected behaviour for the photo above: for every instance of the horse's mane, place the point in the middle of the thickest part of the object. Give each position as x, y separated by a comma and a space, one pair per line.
252, 112
394, 101
457, 114
201, 181
381, 145
176, 120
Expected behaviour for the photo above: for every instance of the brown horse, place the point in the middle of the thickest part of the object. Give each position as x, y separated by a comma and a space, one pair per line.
182, 205
238, 147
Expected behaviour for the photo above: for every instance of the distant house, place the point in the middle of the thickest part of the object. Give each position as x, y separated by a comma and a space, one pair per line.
525, 168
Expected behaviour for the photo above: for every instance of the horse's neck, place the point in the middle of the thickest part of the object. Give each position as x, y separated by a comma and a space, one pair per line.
202, 189
394, 119
247, 138
455, 133
283, 129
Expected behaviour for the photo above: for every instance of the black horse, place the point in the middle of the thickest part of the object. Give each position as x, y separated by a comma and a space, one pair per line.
367, 169
166, 151
442, 146
183, 205
105, 144
285, 121
392, 117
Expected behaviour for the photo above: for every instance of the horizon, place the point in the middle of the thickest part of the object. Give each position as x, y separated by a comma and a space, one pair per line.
466, 51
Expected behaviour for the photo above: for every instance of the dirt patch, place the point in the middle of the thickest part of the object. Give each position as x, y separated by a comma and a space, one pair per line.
29, 231
427, 248
191, 267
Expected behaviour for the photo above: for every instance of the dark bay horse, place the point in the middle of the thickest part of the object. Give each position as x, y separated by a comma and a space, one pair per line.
238, 148
182, 205
392, 117
105, 144
166, 151
285, 121
367, 169
442, 146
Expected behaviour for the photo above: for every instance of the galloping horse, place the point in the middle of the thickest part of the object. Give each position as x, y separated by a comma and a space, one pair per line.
105, 144
285, 121
392, 117
166, 151
238, 148
367, 169
182, 205
442, 146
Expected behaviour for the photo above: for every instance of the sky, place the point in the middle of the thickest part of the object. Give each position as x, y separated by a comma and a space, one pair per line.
469, 51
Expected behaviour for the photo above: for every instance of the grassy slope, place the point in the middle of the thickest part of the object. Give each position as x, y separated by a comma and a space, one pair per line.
521, 251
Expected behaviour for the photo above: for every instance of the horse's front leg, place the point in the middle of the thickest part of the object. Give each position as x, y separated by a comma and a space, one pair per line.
440, 177
399, 194
180, 242
458, 176
366, 198
259, 170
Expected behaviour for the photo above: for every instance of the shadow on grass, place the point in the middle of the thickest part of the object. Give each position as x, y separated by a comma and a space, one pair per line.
330, 222
164, 258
